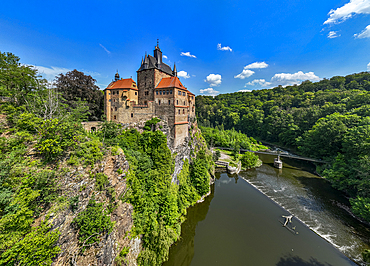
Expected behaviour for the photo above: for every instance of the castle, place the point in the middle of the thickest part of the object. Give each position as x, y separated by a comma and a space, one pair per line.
157, 93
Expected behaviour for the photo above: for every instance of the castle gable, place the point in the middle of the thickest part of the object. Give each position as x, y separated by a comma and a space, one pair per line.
170, 82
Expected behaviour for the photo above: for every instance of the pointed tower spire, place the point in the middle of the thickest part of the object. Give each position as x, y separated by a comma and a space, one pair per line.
174, 71
142, 61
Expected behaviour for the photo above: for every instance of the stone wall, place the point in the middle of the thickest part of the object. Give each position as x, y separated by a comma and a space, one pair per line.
147, 80
91, 125
181, 134
136, 113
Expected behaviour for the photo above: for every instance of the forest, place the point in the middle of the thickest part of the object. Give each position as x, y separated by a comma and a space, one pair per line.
42, 139
327, 120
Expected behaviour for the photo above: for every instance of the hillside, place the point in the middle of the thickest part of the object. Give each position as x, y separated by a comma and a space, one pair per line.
327, 120
116, 196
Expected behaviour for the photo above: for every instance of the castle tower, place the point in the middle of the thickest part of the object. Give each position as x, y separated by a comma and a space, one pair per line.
150, 73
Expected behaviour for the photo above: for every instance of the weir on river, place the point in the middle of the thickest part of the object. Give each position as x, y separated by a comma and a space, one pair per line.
239, 225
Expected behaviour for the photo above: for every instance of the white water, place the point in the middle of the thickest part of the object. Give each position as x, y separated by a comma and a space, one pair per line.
296, 191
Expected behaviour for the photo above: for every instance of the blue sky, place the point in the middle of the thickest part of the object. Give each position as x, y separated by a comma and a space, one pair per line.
219, 46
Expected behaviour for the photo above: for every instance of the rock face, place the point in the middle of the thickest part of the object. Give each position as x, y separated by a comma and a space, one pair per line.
79, 182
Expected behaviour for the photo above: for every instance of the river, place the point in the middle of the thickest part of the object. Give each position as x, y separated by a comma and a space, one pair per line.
240, 223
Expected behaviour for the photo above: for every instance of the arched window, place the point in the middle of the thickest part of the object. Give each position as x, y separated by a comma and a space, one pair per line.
169, 102
132, 114
179, 111
114, 117
159, 102
183, 111
177, 102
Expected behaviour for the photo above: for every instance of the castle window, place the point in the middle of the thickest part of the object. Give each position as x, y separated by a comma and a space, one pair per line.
157, 92
179, 111
183, 94
113, 92
160, 92
115, 108
169, 101
159, 102
111, 109
110, 100
132, 114
170, 91
184, 103
177, 102
114, 100
192, 97
114, 117
145, 102
147, 93
135, 92
183, 111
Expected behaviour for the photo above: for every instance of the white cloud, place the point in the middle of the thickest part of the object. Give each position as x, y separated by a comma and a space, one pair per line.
256, 65
246, 73
183, 74
368, 67
333, 34
244, 91
260, 82
345, 12
209, 92
225, 48
49, 73
188, 54
364, 34
286, 79
105, 49
213, 80
165, 56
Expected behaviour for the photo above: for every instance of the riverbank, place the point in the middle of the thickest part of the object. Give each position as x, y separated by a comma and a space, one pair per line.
238, 161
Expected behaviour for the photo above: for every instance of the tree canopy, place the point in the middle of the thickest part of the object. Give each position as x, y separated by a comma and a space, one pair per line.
76, 85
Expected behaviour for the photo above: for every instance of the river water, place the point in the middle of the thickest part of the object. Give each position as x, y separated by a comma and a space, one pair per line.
240, 223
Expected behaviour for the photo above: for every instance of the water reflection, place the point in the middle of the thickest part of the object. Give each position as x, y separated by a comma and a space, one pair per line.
297, 261
184, 248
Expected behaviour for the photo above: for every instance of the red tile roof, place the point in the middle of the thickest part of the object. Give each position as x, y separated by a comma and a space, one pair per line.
170, 82
122, 84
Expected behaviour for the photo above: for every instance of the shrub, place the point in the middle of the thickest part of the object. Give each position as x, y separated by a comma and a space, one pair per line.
101, 181
36, 248
249, 160
92, 223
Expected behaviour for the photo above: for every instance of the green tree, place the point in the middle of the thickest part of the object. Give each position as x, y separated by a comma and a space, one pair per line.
76, 85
